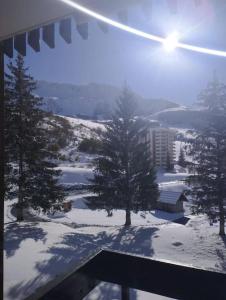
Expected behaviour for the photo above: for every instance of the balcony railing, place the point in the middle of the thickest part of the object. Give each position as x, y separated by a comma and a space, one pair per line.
137, 272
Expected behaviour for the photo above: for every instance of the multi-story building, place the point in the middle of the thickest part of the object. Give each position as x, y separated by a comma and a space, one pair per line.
161, 144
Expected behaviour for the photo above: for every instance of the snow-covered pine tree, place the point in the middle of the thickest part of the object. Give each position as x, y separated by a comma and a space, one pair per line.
30, 161
169, 165
124, 177
213, 96
208, 150
181, 159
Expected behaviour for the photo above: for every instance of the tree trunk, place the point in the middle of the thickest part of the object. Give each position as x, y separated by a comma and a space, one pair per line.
128, 218
19, 214
220, 186
222, 218
19, 207
109, 212
222, 231
2, 171
124, 293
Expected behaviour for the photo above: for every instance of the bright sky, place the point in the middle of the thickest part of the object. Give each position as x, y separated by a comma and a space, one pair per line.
149, 70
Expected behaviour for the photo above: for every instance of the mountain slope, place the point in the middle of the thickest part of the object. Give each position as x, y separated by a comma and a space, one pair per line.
92, 100
188, 118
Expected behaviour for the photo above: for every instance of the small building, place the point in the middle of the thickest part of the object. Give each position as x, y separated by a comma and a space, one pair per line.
171, 201
67, 206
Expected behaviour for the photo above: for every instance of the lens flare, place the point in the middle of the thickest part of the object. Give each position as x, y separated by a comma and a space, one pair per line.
169, 42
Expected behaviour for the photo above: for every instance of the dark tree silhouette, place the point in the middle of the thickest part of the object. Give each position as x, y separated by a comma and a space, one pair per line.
123, 176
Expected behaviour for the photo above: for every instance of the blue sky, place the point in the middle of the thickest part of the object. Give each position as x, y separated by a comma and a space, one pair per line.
116, 57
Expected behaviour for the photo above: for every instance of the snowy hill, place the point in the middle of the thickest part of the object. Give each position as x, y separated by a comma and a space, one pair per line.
91, 99
81, 129
183, 117
78, 123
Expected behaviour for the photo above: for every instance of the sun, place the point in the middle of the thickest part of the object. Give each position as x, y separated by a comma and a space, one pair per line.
171, 42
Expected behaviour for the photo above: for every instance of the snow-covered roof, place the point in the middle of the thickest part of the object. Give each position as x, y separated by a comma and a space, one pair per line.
169, 197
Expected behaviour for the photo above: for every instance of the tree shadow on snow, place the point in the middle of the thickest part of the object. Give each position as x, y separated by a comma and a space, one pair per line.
16, 233
76, 247
64, 257
105, 291
25, 288
160, 214
223, 240
221, 253
70, 251
137, 240
109, 291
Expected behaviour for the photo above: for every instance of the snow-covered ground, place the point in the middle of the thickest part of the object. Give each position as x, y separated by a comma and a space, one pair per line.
179, 108
87, 123
163, 177
80, 215
76, 174
81, 129
84, 128
36, 252
109, 291
184, 132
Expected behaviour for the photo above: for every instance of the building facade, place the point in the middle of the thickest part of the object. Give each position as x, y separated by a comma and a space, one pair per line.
171, 201
163, 146
161, 142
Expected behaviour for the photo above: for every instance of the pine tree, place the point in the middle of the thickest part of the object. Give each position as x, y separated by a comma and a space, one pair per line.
169, 165
181, 160
208, 150
31, 174
123, 176
213, 96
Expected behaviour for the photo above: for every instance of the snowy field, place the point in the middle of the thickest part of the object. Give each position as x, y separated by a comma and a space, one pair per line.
75, 174
80, 215
36, 252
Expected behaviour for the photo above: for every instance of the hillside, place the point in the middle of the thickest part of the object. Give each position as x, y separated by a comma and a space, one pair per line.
185, 118
91, 100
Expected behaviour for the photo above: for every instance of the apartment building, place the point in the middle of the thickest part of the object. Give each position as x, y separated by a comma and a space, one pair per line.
161, 144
